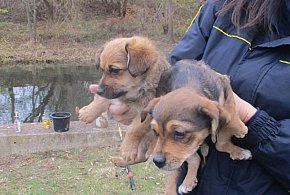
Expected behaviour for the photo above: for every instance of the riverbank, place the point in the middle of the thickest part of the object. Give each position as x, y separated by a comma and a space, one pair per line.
56, 43
51, 52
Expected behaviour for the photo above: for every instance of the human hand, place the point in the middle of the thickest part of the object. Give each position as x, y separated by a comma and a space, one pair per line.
245, 110
90, 112
93, 88
122, 112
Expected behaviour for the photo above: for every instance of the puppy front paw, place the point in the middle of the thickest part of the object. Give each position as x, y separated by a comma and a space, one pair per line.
86, 114
118, 161
129, 154
241, 133
187, 186
241, 155
92, 111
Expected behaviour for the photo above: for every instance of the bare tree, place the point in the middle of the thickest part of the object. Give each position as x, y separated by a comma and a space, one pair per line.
49, 10
123, 7
30, 7
169, 19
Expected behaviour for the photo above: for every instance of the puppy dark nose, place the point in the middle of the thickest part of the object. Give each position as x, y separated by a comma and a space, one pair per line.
159, 160
100, 91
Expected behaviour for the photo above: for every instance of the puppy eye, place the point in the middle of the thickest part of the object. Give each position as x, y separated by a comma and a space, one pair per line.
114, 71
155, 132
178, 135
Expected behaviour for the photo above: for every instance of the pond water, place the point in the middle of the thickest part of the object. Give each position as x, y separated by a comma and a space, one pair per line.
35, 91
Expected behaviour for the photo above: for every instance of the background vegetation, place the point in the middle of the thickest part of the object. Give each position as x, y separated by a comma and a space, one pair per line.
70, 30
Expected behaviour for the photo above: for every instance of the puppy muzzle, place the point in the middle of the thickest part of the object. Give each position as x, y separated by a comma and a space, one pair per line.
159, 160
109, 92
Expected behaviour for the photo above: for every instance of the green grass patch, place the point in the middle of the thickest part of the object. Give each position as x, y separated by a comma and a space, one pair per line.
76, 171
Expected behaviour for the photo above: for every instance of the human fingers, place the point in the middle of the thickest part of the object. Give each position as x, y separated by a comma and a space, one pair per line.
121, 119
118, 109
245, 109
93, 88
122, 113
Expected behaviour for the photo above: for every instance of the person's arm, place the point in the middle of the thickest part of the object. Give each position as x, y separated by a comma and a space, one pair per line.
270, 143
269, 140
192, 45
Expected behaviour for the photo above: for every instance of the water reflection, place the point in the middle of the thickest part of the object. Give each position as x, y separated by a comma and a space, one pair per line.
36, 91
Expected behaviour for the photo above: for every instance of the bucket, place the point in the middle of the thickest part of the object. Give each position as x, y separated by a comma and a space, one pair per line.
60, 121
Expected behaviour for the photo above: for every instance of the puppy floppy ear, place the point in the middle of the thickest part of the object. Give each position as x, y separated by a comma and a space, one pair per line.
97, 57
140, 55
218, 116
149, 108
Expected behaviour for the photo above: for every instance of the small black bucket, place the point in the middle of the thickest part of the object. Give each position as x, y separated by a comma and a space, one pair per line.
60, 121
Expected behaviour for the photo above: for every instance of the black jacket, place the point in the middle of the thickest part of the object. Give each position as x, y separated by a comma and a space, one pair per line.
259, 68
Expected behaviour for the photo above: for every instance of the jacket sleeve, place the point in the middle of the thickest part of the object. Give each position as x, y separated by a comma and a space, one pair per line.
270, 145
192, 45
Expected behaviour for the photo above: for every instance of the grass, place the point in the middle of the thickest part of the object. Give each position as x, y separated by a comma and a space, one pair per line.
76, 171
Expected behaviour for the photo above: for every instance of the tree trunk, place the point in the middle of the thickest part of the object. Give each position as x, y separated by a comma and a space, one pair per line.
31, 18
34, 21
169, 16
124, 8
119, 7
29, 23
49, 8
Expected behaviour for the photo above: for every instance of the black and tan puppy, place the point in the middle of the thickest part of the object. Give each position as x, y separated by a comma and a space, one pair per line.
200, 104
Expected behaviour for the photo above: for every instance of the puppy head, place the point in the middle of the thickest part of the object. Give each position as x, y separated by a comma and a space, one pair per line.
182, 120
125, 63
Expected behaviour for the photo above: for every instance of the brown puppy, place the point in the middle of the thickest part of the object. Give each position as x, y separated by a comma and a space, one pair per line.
132, 68
200, 104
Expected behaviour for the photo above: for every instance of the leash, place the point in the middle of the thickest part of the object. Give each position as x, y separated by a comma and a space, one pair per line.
128, 167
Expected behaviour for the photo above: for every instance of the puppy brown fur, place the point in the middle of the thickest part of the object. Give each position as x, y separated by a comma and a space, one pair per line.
132, 68
90, 112
200, 104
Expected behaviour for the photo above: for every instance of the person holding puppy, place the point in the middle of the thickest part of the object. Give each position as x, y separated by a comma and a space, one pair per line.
249, 40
